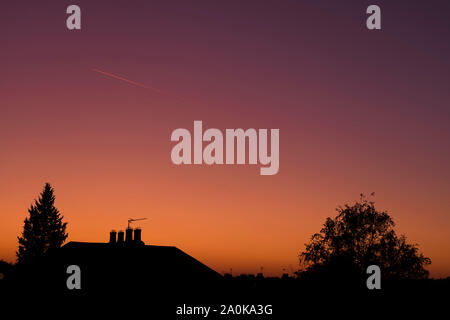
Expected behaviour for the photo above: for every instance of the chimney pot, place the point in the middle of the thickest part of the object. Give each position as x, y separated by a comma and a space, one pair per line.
137, 235
112, 237
120, 237
129, 235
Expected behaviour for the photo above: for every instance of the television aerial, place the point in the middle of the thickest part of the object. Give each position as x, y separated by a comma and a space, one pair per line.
130, 220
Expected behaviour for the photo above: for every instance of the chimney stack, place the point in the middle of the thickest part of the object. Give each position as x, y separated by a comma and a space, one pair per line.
129, 235
112, 237
137, 236
120, 237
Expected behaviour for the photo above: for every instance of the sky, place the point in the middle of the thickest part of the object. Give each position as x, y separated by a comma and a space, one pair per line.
91, 111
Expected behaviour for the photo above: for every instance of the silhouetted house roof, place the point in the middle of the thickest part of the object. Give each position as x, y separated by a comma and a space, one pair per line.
131, 265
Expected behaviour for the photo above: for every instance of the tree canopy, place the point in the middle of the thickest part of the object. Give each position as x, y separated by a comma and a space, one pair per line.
43, 229
362, 236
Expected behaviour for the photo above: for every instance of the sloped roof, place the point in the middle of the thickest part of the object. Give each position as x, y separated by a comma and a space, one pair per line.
163, 261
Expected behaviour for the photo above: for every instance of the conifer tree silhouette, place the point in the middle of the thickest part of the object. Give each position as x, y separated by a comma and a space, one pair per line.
43, 229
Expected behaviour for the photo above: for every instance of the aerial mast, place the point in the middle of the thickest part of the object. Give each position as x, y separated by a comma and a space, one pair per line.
130, 220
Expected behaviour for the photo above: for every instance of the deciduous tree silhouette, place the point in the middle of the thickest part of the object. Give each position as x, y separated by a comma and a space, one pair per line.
43, 229
358, 237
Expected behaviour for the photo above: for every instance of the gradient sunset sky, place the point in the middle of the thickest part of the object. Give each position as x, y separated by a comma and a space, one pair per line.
358, 111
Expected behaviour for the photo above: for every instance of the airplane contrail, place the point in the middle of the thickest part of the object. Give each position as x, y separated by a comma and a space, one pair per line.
126, 80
